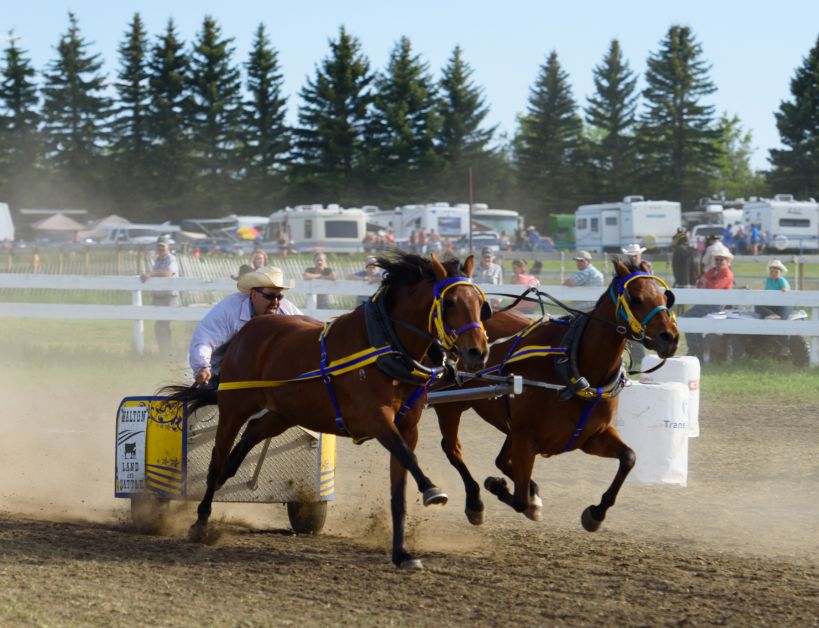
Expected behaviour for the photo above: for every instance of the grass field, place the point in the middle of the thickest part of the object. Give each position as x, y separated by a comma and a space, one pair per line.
98, 353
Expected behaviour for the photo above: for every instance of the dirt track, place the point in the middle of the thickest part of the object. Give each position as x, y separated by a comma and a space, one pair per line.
739, 545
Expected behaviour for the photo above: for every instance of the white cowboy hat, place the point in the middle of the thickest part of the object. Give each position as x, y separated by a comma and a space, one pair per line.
718, 249
777, 264
265, 277
633, 249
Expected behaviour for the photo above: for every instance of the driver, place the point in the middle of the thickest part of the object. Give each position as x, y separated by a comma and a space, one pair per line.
261, 292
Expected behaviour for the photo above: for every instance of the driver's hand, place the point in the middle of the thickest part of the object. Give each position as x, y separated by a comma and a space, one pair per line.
203, 376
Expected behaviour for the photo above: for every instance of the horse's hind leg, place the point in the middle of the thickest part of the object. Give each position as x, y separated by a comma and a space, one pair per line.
517, 459
266, 426
608, 445
449, 419
498, 486
226, 431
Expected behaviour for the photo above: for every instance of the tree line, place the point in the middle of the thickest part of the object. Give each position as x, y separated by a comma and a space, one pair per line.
186, 129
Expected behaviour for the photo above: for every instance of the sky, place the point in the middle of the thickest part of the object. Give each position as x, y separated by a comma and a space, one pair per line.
754, 47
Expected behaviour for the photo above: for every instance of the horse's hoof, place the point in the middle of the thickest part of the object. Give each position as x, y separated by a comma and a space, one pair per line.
197, 533
434, 495
494, 485
533, 513
411, 564
475, 517
536, 501
589, 522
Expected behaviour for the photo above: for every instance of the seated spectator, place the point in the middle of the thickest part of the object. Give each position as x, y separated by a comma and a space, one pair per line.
488, 271
521, 278
719, 277
587, 274
776, 281
258, 259
371, 274
320, 270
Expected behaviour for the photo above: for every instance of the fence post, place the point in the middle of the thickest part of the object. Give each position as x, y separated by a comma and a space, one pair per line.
562, 265
814, 343
139, 326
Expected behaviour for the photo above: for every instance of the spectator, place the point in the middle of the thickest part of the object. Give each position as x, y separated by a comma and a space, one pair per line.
320, 270
719, 277
587, 274
164, 265
371, 274
261, 292
708, 253
634, 255
503, 240
434, 241
412, 239
776, 281
488, 271
258, 259
537, 268
532, 237
521, 278
422, 241
756, 239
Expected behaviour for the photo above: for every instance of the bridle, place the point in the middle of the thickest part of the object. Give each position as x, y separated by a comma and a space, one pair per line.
446, 334
634, 327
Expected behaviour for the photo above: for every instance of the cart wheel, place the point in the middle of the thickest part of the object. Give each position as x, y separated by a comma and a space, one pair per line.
148, 511
307, 517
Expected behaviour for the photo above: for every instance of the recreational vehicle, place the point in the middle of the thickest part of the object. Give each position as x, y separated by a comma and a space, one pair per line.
449, 221
318, 228
6, 225
501, 221
787, 224
607, 226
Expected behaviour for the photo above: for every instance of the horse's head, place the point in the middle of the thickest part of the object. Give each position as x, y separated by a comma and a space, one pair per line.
642, 304
458, 311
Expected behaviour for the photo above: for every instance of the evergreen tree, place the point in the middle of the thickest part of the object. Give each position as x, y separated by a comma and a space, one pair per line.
330, 138
129, 126
548, 146
611, 116
172, 171
796, 167
216, 113
678, 134
404, 124
75, 112
267, 138
735, 177
19, 138
462, 141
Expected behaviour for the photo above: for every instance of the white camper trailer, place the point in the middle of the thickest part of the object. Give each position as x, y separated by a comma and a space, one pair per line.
506, 221
316, 228
6, 225
787, 224
607, 226
448, 221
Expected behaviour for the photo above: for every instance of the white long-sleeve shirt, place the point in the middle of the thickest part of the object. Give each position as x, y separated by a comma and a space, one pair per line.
220, 325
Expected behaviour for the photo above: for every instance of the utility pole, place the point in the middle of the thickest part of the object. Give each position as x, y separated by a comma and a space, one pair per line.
471, 252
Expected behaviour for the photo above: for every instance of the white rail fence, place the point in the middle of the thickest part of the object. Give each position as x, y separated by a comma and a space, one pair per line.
138, 312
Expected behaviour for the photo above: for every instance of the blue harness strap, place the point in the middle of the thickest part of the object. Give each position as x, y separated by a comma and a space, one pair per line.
325, 377
588, 409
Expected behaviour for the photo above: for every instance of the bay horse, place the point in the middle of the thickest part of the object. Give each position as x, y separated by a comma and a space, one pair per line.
685, 260
359, 376
584, 353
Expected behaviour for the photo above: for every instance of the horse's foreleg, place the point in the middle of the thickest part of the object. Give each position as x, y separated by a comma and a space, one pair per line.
398, 508
504, 464
516, 459
229, 425
607, 445
449, 419
392, 441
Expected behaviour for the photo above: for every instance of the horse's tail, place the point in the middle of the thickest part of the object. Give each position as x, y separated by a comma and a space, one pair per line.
194, 396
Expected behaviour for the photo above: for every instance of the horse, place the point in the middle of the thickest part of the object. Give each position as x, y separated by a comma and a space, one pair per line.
685, 260
359, 376
582, 357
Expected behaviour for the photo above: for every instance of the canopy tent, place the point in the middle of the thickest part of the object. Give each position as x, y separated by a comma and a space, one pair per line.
103, 226
58, 222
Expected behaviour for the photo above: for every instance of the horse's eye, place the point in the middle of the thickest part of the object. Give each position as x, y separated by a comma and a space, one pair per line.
636, 300
449, 303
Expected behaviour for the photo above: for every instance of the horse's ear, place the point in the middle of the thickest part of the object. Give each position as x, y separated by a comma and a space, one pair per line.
438, 268
469, 266
619, 267
645, 267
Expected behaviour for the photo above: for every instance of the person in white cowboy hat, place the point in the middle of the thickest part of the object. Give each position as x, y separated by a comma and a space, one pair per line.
634, 255
720, 277
776, 281
261, 292
165, 265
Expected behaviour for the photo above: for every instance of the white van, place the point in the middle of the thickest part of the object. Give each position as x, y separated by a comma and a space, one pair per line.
318, 228
607, 226
787, 224
6, 224
138, 234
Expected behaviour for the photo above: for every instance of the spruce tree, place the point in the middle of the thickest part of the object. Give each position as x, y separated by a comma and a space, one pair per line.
75, 113
611, 115
20, 146
736, 178
266, 136
404, 124
171, 168
462, 141
796, 167
330, 138
548, 146
678, 133
215, 114
130, 123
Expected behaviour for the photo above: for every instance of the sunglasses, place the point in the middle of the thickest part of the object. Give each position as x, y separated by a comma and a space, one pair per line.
720, 259
271, 296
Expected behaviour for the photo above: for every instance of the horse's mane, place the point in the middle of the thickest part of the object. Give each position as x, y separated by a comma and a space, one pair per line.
408, 269
632, 268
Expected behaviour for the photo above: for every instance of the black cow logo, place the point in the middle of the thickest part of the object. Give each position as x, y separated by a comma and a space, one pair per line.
130, 450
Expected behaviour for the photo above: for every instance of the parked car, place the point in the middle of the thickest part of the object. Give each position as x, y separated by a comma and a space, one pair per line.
480, 240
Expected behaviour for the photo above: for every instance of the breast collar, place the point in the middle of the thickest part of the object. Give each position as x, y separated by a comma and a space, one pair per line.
566, 367
398, 364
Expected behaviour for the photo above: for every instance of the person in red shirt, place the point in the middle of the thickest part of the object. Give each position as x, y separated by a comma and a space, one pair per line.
720, 277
